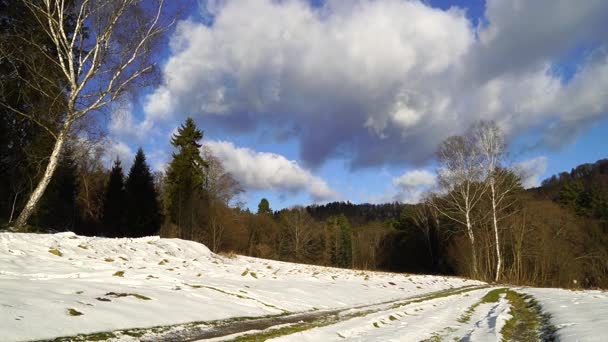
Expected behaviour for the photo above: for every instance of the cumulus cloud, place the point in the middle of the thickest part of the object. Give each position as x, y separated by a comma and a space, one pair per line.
383, 81
118, 149
531, 171
413, 184
269, 171
124, 125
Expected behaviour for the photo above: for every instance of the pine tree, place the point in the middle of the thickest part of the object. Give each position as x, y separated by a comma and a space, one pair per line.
185, 180
114, 206
143, 211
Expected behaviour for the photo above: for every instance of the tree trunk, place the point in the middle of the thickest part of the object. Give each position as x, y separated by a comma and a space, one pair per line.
32, 203
472, 240
496, 238
10, 219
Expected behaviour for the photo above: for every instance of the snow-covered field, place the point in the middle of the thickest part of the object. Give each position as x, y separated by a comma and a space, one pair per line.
65, 285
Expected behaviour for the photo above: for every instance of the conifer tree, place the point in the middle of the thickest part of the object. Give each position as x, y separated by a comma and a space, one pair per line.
143, 211
58, 206
186, 179
114, 206
341, 254
264, 207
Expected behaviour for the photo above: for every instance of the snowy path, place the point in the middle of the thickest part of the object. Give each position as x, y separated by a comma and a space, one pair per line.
432, 319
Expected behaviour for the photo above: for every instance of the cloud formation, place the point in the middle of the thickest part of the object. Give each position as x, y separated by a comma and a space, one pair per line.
385, 81
269, 171
413, 184
531, 171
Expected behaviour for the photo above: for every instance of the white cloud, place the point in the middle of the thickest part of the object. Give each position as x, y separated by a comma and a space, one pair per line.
531, 171
122, 151
415, 178
269, 171
412, 185
123, 125
383, 81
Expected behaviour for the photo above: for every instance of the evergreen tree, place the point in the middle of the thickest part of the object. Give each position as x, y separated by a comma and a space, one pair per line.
58, 206
143, 212
114, 206
264, 207
186, 179
342, 255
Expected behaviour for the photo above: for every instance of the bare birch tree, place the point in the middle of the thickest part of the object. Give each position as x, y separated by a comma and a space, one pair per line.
490, 142
102, 49
460, 180
298, 231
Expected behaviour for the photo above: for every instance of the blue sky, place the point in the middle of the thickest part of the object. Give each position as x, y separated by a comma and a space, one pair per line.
331, 100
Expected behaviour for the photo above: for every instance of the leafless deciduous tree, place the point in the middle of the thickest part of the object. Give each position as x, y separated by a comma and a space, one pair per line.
460, 179
502, 184
299, 231
222, 189
102, 49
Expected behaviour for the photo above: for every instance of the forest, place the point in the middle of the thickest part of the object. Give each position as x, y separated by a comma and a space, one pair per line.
479, 222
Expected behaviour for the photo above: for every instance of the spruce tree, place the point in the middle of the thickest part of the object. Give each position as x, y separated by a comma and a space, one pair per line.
341, 252
264, 207
186, 179
58, 206
143, 211
114, 205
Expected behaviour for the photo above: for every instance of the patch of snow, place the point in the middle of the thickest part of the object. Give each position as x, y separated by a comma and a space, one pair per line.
577, 315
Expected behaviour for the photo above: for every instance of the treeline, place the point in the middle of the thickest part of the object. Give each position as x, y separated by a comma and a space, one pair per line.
554, 235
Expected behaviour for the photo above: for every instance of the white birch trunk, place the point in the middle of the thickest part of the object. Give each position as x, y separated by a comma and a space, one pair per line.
496, 238
35, 197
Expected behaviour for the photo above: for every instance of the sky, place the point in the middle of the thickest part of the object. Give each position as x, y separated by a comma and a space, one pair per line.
332, 100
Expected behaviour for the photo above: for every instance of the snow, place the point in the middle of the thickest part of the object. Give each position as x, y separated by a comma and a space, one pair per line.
184, 281
488, 327
577, 315
148, 282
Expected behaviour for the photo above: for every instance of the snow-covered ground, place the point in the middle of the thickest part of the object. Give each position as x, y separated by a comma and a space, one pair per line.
577, 315
65, 285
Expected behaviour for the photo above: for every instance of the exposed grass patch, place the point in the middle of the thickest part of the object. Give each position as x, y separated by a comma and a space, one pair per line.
108, 260
122, 294
74, 312
164, 261
528, 323
83, 246
55, 251
119, 274
102, 299
253, 275
229, 255
392, 318
266, 335
490, 297
245, 272
376, 325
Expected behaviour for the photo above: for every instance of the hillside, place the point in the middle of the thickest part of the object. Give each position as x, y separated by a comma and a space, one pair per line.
151, 288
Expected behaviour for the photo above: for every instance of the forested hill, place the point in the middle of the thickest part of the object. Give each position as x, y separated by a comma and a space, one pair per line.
584, 189
357, 213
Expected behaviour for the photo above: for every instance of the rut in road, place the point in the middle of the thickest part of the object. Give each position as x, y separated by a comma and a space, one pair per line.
309, 319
